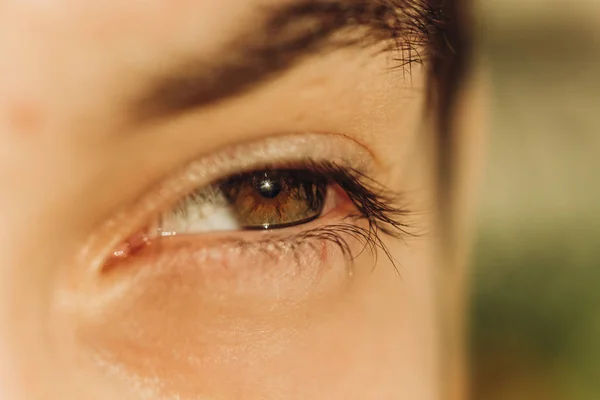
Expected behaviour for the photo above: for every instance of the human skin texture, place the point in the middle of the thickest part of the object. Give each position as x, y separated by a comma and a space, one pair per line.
84, 163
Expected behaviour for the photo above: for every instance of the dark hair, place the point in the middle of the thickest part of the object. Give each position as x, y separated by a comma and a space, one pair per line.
449, 61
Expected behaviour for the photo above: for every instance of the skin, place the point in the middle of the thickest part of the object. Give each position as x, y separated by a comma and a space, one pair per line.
72, 159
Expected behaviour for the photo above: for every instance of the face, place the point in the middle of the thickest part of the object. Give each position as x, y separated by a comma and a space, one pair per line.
216, 199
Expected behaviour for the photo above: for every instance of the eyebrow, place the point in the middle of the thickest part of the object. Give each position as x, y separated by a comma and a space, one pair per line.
288, 34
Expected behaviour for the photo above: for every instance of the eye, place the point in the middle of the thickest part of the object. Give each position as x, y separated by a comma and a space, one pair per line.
277, 199
268, 199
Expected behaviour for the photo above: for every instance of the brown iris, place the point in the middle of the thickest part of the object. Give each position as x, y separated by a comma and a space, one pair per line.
275, 198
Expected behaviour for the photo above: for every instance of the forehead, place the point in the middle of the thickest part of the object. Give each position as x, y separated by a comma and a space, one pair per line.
143, 14
62, 48
122, 23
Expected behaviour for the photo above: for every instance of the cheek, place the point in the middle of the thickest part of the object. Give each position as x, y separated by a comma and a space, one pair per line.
172, 332
174, 336
206, 327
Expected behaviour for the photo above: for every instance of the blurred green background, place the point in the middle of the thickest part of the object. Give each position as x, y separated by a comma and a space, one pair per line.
536, 278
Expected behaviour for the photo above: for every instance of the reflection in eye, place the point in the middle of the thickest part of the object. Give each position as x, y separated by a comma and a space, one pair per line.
267, 199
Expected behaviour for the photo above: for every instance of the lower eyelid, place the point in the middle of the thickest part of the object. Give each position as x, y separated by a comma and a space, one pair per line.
234, 242
271, 264
285, 269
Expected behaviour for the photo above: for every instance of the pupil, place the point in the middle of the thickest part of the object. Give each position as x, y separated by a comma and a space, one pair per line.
269, 188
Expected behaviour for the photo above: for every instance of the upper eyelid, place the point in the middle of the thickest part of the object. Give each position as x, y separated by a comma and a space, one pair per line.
275, 152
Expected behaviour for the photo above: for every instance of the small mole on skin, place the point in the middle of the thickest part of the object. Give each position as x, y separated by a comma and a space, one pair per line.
24, 118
